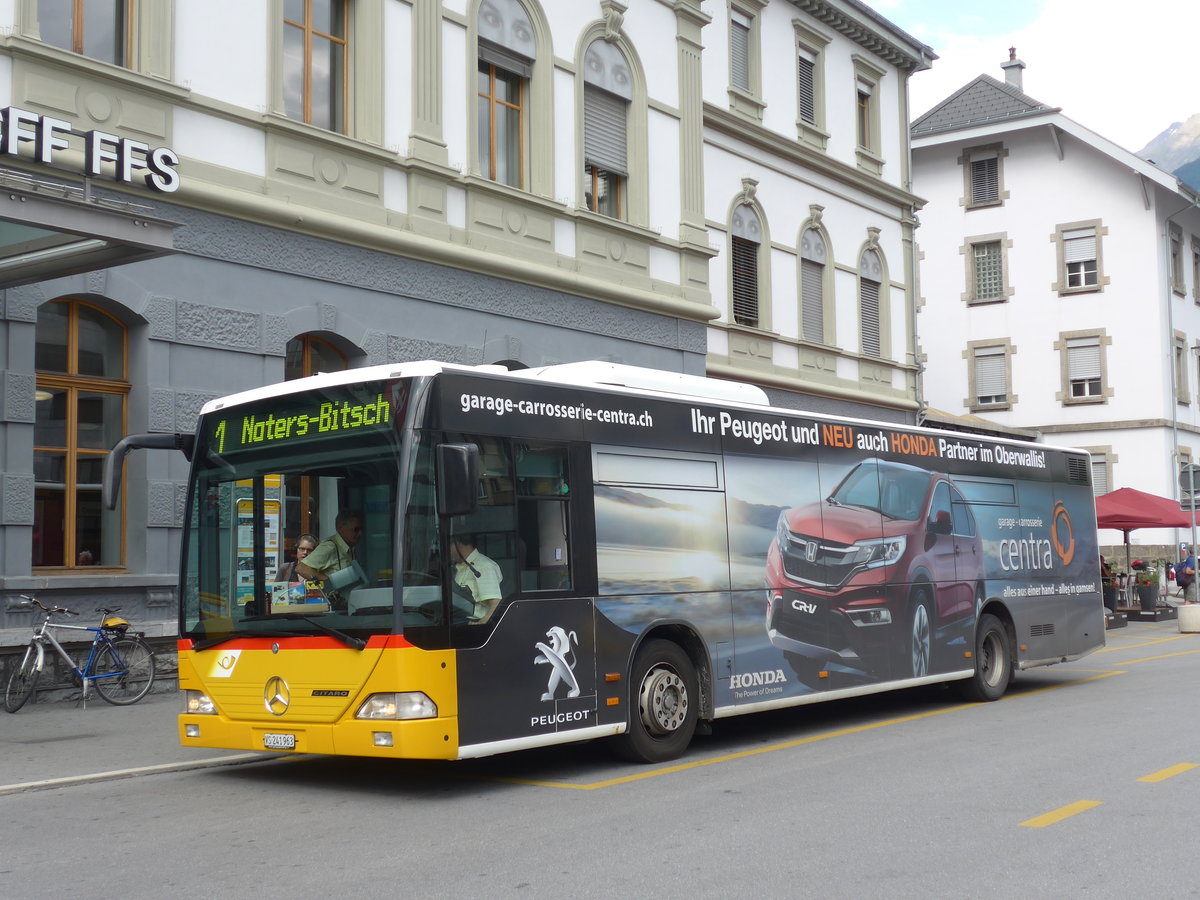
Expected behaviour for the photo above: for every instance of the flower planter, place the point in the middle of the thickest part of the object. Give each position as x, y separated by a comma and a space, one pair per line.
1148, 596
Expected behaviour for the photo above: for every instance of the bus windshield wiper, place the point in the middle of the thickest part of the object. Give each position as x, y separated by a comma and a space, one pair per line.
348, 640
214, 641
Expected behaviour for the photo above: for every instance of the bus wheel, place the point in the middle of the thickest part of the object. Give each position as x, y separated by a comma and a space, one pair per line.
663, 697
920, 635
993, 662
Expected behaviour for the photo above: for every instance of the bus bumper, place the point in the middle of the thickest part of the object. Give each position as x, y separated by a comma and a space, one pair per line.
386, 738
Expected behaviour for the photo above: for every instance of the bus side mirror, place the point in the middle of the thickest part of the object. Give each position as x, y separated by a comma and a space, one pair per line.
457, 479
110, 482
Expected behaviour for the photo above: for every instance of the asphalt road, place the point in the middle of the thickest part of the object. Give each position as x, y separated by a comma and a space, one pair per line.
1084, 780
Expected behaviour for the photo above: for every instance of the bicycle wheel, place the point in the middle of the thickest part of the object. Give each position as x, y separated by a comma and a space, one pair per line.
124, 671
20, 683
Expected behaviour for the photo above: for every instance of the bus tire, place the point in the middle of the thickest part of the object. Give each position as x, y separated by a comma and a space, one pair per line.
919, 641
993, 662
663, 701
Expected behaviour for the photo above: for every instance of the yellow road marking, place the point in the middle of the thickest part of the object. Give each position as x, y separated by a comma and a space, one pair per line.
1063, 812
1162, 656
742, 754
1111, 649
786, 745
1169, 772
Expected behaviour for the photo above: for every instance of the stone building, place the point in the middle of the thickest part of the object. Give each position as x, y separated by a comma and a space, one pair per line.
205, 197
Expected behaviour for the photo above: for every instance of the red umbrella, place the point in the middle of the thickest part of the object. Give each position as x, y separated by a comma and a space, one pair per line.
1126, 509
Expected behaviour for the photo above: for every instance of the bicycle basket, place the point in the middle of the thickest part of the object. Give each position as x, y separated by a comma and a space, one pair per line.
115, 623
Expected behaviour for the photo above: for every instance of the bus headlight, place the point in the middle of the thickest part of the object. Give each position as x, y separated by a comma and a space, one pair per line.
404, 705
198, 703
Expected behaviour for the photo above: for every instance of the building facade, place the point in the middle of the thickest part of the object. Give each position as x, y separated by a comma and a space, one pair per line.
1063, 275
208, 197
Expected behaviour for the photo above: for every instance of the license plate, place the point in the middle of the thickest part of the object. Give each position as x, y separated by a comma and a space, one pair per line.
279, 741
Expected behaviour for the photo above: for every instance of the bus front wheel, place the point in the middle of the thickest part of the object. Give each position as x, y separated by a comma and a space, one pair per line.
663, 704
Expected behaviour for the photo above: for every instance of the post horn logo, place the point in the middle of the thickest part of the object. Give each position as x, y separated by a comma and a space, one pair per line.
1065, 550
277, 696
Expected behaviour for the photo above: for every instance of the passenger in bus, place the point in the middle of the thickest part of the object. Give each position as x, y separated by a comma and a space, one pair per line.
305, 544
334, 553
477, 573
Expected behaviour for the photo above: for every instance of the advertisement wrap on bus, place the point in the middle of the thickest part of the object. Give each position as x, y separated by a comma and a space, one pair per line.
594, 550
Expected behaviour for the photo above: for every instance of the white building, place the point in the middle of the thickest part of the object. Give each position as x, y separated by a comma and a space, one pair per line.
203, 197
1060, 283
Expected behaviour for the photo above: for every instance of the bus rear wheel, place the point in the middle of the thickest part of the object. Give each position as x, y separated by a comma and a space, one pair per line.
663, 704
993, 662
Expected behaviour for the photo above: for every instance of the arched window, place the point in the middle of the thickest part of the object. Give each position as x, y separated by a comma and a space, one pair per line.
507, 51
745, 242
812, 286
308, 354
870, 278
607, 94
82, 392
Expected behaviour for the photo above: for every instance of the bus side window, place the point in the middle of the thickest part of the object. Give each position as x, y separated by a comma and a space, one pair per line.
543, 494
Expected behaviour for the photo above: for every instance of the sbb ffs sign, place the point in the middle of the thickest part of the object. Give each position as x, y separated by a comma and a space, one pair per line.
129, 159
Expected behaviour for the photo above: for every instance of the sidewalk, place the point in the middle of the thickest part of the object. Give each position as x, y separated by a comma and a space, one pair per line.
63, 739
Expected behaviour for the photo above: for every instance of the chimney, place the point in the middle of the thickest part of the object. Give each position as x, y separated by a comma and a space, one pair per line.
1012, 69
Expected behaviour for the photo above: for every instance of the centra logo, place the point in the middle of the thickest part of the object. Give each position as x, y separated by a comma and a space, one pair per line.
755, 679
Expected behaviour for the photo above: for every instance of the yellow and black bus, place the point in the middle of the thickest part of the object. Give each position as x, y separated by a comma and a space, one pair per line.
594, 550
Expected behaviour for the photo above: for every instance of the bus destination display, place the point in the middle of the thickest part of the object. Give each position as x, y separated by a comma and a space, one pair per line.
289, 420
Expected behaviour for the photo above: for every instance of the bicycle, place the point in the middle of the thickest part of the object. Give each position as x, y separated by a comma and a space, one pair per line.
120, 662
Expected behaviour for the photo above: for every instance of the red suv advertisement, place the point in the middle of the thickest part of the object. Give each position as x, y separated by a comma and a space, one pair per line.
877, 578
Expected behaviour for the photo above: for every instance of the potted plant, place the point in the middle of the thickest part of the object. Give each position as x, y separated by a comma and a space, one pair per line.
1145, 578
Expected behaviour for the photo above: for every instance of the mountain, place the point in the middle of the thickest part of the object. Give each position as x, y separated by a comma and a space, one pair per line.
1177, 150
1189, 174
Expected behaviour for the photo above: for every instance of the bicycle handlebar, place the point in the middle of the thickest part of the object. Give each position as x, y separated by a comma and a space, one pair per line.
49, 610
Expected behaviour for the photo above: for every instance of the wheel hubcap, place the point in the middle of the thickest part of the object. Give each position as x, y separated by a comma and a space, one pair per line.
920, 641
663, 701
991, 666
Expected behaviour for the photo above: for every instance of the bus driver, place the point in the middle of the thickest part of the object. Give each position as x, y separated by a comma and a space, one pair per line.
477, 573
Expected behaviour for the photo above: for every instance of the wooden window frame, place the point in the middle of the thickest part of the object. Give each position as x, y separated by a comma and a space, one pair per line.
492, 103
124, 53
306, 27
74, 384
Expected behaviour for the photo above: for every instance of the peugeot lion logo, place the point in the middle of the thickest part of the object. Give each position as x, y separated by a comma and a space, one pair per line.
277, 696
561, 659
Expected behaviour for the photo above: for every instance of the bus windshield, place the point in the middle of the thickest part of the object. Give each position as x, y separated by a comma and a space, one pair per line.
314, 469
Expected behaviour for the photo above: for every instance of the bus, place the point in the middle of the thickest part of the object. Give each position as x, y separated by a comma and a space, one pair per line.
661, 551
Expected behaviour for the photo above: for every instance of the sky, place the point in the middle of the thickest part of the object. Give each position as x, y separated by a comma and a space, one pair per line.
1126, 71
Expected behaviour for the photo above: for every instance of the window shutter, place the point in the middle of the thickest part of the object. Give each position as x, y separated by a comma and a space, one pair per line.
1099, 477
805, 69
868, 295
990, 381
604, 130
745, 282
505, 59
739, 51
1083, 358
812, 293
985, 180
1079, 245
